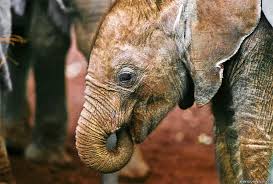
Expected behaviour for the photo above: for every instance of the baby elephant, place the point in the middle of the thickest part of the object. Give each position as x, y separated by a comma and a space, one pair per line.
150, 55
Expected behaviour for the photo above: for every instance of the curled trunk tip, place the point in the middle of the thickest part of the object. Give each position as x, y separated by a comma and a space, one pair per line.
91, 143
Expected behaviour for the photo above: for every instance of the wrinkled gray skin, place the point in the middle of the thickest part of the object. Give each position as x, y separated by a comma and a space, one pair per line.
46, 27
243, 110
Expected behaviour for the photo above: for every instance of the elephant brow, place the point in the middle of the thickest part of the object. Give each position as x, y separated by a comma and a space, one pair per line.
109, 87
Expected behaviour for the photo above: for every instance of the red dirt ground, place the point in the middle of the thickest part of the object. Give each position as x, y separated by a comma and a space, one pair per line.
173, 151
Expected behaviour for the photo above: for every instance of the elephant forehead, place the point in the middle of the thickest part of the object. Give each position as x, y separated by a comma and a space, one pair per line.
101, 72
119, 24
128, 21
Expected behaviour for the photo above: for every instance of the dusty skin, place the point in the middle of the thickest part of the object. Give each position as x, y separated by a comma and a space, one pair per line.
182, 159
149, 53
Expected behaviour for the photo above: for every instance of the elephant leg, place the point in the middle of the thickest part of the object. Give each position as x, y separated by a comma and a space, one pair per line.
243, 111
50, 47
226, 136
255, 153
16, 113
5, 169
243, 149
245, 158
109, 178
49, 131
223, 159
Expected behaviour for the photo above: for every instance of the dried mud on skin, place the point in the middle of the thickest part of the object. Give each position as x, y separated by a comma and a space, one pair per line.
178, 152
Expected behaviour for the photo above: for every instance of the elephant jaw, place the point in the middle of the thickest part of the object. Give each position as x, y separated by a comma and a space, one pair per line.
139, 130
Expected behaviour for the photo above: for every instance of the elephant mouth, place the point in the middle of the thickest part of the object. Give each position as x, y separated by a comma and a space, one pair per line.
139, 132
112, 139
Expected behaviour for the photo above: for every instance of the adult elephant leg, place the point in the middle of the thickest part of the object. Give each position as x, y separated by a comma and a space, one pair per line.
49, 51
16, 113
247, 124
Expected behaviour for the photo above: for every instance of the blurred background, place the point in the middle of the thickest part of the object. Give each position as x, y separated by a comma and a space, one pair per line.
181, 150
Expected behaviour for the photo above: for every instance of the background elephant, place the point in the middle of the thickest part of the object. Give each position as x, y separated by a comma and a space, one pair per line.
46, 26
44, 39
5, 84
5, 31
151, 55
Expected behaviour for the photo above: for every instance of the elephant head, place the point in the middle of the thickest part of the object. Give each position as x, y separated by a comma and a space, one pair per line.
147, 56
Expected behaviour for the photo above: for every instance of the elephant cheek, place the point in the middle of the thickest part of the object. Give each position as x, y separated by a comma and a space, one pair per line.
139, 129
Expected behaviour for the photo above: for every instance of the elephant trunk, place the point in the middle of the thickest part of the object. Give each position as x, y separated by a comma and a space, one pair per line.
94, 136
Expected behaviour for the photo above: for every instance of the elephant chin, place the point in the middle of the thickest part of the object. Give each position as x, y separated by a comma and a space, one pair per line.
92, 143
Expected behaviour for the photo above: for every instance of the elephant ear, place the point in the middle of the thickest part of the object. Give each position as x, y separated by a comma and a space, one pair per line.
268, 10
217, 31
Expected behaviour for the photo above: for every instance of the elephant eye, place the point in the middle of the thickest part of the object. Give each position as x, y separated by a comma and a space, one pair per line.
126, 77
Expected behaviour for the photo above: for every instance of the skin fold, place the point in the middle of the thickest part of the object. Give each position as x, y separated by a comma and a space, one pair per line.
163, 53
